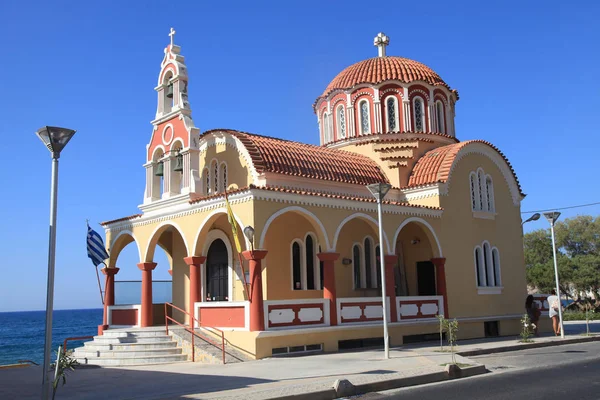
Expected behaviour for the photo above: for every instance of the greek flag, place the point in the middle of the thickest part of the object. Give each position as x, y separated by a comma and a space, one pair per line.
95, 247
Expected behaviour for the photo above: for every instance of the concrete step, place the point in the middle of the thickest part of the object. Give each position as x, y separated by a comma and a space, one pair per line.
132, 339
118, 362
95, 346
117, 333
84, 353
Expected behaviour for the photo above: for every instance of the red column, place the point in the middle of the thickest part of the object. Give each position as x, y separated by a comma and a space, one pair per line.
257, 313
390, 284
109, 295
195, 264
329, 283
440, 276
147, 315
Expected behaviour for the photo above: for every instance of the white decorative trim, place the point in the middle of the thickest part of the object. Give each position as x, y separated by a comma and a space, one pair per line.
109, 310
484, 215
168, 142
366, 217
490, 289
220, 210
355, 96
234, 304
122, 233
341, 300
422, 192
292, 209
162, 224
211, 236
440, 306
422, 222
324, 302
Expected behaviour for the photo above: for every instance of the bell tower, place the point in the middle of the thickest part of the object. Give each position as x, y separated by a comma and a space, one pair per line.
172, 158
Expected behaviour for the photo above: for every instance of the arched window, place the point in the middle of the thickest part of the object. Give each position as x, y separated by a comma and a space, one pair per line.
440, 117
489, 192
378, 265
224, 176
310, 263
392, 114
481, 186
368, 264
326, 128
479, 267
365, 118
419, 114
475, 204
356, 264
215, 177
341, 122
206, 181
297, 266
496, 266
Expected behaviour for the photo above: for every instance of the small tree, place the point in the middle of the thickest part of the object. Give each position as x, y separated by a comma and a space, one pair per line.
442, 327
590, 315
452, 331
66, 363
527, 329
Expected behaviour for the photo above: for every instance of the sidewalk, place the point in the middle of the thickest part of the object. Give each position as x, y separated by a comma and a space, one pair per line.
307, 377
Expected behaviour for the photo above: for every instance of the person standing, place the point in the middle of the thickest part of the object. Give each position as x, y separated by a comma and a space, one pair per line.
533, 312
553, 304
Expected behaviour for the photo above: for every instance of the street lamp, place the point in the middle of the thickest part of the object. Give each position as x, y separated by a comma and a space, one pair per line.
379, 190
552, 217
249, 233
534, 217
55, 139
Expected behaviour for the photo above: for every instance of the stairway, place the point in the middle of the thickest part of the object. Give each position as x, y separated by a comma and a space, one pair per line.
135, 346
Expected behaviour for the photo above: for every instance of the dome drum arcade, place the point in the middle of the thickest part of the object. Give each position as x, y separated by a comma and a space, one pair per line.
312, 264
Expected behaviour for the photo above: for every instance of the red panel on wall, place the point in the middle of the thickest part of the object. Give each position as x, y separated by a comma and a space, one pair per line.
223, 317
125, 317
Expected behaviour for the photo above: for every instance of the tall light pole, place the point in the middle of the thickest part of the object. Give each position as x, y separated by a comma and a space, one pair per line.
55, 139
552, 217
379, 190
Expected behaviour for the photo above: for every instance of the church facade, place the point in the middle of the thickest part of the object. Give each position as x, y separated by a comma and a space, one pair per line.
307, 275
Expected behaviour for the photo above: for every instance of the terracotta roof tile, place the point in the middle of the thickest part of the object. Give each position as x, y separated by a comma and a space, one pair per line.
434, 166
380, 136
308, 161
120, 219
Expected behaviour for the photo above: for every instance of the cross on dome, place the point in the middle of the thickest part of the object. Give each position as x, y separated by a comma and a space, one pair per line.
381, 41
172, 35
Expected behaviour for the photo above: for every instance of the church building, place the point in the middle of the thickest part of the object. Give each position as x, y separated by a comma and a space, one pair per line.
307, 273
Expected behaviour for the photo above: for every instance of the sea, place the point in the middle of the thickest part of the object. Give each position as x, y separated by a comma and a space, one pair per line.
22, 333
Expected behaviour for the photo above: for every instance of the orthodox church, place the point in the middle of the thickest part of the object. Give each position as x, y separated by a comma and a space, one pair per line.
295, 266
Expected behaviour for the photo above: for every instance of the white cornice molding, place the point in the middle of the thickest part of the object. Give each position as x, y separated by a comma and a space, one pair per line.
392, 136
422, 192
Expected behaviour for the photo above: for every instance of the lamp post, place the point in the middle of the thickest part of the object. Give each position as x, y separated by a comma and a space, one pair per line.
552, 217
534, 217
379, 190
249, 233
55, 139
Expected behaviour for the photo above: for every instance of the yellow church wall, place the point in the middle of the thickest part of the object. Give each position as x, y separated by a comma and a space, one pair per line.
431, 201
460, 232
181, 281
238, 172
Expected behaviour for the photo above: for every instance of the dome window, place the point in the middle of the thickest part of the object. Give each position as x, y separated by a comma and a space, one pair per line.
365, 119
440, 117
419, 114
341, 122
392, 114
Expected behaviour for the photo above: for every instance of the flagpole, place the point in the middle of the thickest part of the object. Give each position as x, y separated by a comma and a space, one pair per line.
100, 286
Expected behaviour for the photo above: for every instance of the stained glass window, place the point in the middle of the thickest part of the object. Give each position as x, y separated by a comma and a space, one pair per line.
365, 126
341, 122
224, 176
391, 114
418, 115
215, 177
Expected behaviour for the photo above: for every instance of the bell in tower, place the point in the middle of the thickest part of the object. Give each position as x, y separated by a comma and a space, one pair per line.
170, 90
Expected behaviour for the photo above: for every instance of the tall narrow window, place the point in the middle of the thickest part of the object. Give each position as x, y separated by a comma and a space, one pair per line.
489, 192
480, 270
368, 265
440, 117
341, 122
224, 176
326, 128
310, 263
489, 272
365, 123
496, 265
392, 114
481, 187
474, 192
419, 115
378, 266
356, 266
297, 266
321, 277
206, 181
215, 177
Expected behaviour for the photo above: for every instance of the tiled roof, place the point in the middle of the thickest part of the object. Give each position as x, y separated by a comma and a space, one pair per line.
380, 69
381, 136
120, 219
308, 161
434, 166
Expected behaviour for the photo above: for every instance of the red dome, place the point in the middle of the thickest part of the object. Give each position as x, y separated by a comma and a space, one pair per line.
380, 69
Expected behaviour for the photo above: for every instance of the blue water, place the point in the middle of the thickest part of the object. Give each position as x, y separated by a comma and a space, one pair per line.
22, 333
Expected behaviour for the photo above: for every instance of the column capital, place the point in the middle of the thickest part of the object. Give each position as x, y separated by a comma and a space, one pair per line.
439, 262
110, 271
147, 266
328, 256
195, 260
390, 259
254, 254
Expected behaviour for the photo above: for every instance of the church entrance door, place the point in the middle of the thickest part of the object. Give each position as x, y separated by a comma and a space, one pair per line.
217, 272
426, 278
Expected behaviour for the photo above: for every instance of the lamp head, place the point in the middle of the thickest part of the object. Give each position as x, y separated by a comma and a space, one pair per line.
55, 138
379, 190
552, 217
249, 233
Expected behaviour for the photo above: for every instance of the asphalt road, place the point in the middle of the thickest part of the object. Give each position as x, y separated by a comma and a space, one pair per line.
561, 373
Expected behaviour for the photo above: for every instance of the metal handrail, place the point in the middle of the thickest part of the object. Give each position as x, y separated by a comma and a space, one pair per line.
27, 362
193, 333
64, 349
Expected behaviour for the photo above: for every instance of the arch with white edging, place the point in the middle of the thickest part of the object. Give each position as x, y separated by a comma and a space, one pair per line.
363, 216
118, 243
209, 218
155, 236
211, 236
429, 232
312, 218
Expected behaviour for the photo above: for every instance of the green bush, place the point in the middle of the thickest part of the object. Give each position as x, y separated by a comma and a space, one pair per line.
574, 316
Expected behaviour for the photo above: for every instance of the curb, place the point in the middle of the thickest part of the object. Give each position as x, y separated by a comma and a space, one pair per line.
525, 346
331, 394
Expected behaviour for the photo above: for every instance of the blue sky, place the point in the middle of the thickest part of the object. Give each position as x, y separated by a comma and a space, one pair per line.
527, 73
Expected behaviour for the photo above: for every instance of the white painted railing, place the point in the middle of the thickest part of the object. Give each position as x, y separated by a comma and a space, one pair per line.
418, 308
361, 310
291, 314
